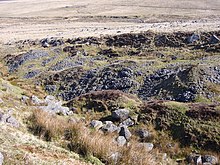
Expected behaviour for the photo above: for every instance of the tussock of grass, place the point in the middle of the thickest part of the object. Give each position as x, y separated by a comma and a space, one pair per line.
87, 142
133, 154
48, 126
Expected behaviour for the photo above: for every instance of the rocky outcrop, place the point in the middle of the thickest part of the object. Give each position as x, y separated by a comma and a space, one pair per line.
76, 67
14, 62
180, 83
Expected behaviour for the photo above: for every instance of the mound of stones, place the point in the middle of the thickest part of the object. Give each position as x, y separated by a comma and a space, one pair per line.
122, 128
182, 83
67, 78
49, 104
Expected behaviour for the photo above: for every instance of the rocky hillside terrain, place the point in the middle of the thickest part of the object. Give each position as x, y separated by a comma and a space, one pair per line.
145, 98
133, 82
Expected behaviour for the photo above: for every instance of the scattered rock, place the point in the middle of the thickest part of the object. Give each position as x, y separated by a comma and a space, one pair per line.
146, 146
36, 101
193, 38
47, 42
128, 123
50, 104
1, 101
195, 159
214, 39
121, 141
142, 133
16, 62
25, 99
120, 114
96, 124
31, 74
109, 127
9, 119
115, 157
50, 88
124, 131
209, 159
164, 157
12, 121
56, 107
50, 99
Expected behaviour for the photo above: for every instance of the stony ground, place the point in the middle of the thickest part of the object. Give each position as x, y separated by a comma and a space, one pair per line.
109, 82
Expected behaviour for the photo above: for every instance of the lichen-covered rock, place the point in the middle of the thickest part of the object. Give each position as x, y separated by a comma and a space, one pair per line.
108, 126
56, 107
12, 121
128, 123
50, 104
121, 141
49, 99
96, 124
25, 99
120, 114
15, 63
36, 101
7, 118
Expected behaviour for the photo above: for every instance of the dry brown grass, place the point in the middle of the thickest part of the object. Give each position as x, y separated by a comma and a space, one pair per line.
85, 141
133, 154
47, 125
82, 139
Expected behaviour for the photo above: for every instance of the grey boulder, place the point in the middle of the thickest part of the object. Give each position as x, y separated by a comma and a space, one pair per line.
108, 126
9, 119
36, 101
124, 131
96, 124
120, 114
57, 108
128, 122
121, 141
